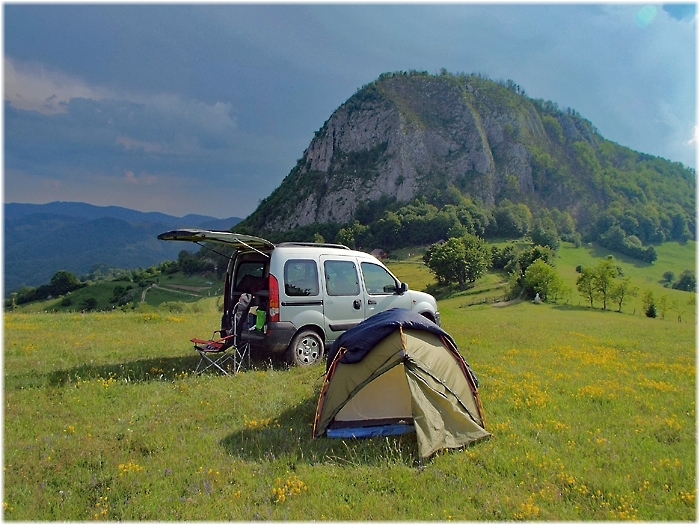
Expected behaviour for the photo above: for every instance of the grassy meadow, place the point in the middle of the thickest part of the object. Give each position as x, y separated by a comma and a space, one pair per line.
592, 414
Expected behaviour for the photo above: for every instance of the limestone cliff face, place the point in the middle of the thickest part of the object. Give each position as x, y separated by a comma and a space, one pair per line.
405, 136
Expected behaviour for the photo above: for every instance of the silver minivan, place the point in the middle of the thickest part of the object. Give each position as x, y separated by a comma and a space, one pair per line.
305, 294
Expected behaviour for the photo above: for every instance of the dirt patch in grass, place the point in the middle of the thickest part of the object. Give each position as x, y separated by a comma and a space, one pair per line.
188, 288
501, 304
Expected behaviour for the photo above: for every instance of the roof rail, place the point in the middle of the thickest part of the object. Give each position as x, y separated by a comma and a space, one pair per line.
314, 245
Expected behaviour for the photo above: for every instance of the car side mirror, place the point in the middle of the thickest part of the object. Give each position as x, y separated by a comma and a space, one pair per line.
403, 288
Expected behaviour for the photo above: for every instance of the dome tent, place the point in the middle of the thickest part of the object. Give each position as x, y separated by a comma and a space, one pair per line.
398, 372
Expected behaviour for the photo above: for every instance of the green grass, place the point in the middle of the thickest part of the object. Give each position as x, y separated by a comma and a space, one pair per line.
492, 287
592, 415
161, 289
673, 257
413, 272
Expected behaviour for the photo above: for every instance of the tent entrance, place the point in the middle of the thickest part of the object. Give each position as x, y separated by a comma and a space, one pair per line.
381, 408
386, 397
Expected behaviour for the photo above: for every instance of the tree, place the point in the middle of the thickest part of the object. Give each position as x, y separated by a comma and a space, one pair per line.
598, 282
620, 291
584, 284
345, 236
529, 255
387, 230
512, 220
604, 273
63, 282
668, 277
675, 307
477, 255
563, 222
501, 258
663, 305
446, 261
189, 263
616, 239
545, 237
541, 278
461, 259
90, 303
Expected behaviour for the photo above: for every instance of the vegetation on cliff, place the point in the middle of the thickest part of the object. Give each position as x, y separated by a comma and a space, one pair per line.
493, 163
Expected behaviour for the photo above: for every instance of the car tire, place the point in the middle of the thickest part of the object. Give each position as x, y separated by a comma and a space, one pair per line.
306, 349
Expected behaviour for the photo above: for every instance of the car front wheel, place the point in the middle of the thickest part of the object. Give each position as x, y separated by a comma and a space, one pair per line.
306, 349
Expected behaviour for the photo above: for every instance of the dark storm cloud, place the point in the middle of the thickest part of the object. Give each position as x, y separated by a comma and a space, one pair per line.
205, 108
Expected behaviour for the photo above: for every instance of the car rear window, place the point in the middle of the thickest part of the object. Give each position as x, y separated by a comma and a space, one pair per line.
250, 277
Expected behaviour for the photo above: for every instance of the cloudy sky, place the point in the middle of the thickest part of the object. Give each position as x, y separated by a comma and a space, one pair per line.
206, 108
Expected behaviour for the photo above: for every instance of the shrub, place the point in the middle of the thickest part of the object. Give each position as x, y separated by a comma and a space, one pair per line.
650, 311
175, 307
501, 258
686, 281
544, 237
526, 257
649, 304
615, 239
541, 278
90, 303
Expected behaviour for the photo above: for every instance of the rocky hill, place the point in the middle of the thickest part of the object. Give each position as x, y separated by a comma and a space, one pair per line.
408, 135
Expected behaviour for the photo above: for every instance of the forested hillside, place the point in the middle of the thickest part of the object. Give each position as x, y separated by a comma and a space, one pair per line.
413, 158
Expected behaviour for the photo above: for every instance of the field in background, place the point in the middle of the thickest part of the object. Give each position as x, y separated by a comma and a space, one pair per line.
592, 415
180, 293
492, 287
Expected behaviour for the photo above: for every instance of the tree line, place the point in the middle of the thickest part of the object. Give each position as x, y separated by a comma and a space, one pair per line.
531, 273
389, 225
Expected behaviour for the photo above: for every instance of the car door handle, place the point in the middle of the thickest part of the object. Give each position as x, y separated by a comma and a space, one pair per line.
371, 301
357, 304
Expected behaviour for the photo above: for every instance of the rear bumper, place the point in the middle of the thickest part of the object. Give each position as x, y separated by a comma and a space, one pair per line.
274, 339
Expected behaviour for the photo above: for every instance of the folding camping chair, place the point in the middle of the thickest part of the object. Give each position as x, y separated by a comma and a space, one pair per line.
228, 351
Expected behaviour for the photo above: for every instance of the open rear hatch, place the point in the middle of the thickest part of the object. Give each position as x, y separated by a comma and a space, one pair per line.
235, 240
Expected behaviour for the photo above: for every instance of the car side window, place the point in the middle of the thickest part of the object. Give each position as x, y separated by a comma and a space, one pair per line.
378, 281
341, 278
300, 278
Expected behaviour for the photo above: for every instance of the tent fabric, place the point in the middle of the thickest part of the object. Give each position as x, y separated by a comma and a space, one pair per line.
359, 340
363, 337
440, 420
414, 365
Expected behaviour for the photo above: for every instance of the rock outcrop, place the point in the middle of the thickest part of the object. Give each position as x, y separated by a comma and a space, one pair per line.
407, 135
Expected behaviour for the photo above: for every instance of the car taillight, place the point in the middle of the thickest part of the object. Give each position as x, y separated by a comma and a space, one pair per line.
273, 299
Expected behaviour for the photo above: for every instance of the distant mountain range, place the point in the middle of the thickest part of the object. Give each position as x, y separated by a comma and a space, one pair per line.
41, 239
